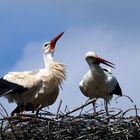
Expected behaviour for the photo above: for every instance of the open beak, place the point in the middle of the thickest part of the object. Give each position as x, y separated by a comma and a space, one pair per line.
54, 40
103, 61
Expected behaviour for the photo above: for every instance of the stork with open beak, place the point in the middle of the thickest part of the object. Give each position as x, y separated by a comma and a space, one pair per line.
38, 88
99, 82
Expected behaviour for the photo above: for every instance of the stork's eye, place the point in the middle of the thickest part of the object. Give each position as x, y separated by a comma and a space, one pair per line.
46, 45
90, 57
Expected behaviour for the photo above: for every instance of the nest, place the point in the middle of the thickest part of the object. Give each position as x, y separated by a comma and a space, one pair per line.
48, 126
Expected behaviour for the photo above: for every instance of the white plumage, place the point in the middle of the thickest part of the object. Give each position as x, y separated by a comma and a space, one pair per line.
25, 80
52, 76
99, 82
32, 90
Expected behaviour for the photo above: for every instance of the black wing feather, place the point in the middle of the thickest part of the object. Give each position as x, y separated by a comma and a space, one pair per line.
7, 87
117, 90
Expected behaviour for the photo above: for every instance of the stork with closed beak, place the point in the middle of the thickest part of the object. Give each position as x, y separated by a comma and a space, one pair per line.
35, 89
99, 82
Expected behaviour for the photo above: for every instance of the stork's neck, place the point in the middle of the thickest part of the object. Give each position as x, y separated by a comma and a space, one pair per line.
48, 57
97, 70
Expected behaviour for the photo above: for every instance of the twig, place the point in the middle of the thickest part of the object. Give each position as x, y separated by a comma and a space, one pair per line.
2, 115
130, 109
34, 116
136, 111
74, 110
58, 109
47, 113
66, 108
1, 131
11, 118
49, 130
117, 114
124, 96
83, 108
9, 122
4, 109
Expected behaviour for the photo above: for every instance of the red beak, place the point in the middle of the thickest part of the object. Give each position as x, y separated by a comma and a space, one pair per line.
103, 61
54, 40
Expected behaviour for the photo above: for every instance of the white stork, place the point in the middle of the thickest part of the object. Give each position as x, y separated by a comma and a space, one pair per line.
35, 89
99, 82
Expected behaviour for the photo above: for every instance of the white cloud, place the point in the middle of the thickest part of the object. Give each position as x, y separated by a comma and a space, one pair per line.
71, 50
32, 57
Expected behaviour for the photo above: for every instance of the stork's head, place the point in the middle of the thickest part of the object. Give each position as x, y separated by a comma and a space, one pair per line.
93, 58
49, 47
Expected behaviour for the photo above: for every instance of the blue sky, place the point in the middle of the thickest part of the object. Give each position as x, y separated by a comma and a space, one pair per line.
110, 28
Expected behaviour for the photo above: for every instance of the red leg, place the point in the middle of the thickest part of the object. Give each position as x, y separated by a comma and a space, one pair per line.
94, 107
106, 106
